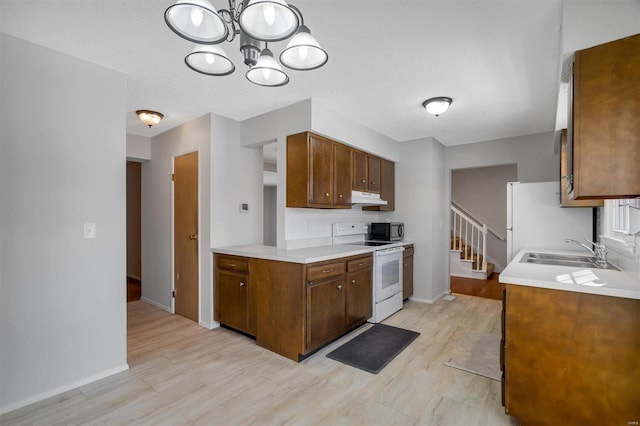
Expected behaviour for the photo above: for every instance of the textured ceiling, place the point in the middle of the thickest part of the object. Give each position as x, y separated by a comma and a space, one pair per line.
499, 61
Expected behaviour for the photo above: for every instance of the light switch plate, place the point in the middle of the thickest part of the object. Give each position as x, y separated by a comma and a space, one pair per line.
244, 208
89, 230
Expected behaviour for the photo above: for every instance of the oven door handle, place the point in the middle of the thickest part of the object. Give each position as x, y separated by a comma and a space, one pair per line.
389, 252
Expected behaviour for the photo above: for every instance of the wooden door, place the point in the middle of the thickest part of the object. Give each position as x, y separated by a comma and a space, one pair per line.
185, 208
321, 171
359, 296
342, 174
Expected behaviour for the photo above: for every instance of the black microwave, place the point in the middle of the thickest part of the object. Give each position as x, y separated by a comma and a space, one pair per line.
386, 231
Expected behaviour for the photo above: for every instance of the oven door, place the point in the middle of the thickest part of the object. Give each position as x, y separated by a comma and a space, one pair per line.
387, 274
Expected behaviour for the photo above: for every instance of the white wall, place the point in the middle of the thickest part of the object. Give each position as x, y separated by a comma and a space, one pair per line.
157, 208
420, 194
63, 297
534, 156
297, 226
589, 23
138, 148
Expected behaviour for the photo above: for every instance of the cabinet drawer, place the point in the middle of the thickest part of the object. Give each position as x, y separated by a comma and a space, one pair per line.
408, 251
364, 262
325, 271
232, 263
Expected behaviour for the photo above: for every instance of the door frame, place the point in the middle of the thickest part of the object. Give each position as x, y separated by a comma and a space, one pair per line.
173, 258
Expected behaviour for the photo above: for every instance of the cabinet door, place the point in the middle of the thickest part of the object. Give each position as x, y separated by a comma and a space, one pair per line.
359, 296
325, 311
233, 293
565, 201
359, 171
373, 173
606, 120
320, 171
407, 277
342, 174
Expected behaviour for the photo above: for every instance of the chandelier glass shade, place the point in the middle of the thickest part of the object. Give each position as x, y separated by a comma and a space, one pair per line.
257, 22
268, 20
303, 52
209, 60
267, 71
438, 105
197, 21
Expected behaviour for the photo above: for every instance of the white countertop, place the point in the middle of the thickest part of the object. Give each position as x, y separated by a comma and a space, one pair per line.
603, 282
302, 255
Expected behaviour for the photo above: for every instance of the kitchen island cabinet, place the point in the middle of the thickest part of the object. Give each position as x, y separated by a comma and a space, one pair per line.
234, 305
301, 307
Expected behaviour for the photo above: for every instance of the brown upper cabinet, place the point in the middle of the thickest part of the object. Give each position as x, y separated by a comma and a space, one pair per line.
387, 186
366, 172
604, 138
565, 201
318, 172
321, 174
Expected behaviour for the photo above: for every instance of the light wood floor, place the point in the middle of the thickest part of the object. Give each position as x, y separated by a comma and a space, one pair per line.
181, 373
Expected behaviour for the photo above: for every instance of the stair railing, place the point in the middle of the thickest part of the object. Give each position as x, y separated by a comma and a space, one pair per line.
474, 234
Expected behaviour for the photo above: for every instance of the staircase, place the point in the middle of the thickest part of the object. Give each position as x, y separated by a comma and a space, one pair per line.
468, 247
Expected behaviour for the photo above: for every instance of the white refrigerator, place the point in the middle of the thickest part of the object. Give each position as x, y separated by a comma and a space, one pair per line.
536, 220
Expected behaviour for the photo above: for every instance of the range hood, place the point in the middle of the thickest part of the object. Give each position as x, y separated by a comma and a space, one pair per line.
367, 199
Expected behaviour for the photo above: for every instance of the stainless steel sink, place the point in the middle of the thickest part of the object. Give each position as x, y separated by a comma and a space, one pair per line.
565, 260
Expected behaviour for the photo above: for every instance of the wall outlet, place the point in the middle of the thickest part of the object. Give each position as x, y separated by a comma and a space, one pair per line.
89, 230
244, 208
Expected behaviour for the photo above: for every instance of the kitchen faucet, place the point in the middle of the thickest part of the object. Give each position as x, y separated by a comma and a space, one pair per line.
599, 250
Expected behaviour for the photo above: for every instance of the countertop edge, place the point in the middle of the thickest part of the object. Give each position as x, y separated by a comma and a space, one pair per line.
302, 255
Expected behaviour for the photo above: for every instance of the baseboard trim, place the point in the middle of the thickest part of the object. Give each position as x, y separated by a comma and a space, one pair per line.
430, 301
209, 326
62, 389
156, 304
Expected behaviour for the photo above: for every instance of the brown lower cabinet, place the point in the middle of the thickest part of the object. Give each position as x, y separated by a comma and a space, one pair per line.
571, 358
407, 272
292, 308
234, 303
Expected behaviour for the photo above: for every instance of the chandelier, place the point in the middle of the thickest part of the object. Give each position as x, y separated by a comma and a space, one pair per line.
256, 22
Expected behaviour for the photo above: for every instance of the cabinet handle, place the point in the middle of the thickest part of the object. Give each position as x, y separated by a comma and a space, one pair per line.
373, 183
193, 237
242, 284
326, 271
326, 194
353, 281
233, 265
364, 181
360, 264
339, 286
340, 196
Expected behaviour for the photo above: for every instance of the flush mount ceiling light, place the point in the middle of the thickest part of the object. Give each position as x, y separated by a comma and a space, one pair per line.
437, 106
256, 22
149, 117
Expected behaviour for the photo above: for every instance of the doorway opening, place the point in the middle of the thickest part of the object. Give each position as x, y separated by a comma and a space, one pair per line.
270, 184
479, 202
134, 230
